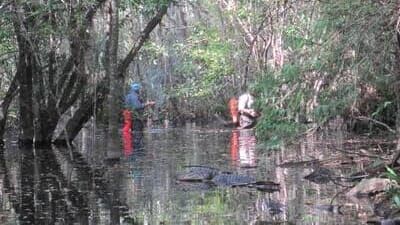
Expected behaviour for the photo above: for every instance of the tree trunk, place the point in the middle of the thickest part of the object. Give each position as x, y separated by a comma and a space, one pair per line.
24, 76
116, 83
84, 112
396, 89
25, 73
73, 77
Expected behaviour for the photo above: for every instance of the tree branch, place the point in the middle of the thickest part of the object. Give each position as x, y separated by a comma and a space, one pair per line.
377, 122
82, 38
144, 36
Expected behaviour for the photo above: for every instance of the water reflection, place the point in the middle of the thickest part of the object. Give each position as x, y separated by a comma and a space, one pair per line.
46, 197
26, 213
243, 148
57, 186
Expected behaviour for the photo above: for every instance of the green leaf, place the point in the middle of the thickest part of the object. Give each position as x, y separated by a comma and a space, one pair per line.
392, 174
396, 199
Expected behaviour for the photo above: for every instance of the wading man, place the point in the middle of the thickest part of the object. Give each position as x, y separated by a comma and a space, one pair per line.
134, 112
248, 116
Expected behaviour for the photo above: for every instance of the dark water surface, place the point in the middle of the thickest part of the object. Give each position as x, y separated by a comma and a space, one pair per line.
57, 186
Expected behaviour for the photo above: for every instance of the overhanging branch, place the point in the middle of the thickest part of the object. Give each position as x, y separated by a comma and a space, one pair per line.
144, 36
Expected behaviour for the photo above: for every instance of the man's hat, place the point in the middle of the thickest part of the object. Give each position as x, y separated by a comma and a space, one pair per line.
136, 86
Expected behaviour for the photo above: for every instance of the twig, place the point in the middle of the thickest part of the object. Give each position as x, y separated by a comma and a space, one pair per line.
288, 94
361, 154
337, 194
377, 122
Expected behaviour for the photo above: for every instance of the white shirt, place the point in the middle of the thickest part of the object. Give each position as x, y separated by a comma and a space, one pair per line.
245, 101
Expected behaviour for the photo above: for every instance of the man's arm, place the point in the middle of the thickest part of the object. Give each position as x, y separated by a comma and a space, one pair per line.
149, 103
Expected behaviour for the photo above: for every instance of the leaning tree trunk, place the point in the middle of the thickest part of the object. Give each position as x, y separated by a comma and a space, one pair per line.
84, 112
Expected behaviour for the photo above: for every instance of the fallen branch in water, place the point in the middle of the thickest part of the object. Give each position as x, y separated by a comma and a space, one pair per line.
361, 154
312, 162
377, 122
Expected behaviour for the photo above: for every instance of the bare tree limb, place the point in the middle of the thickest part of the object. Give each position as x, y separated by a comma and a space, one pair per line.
82, 38
144, 36
377, 122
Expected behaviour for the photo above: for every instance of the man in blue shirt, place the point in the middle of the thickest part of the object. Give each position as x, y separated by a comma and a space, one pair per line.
134, 103
134, 112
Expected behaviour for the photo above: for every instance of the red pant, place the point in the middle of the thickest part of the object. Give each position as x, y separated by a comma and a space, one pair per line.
127, 120
126, 132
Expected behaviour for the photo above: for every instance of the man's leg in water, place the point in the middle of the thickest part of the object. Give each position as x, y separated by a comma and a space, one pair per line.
138, 128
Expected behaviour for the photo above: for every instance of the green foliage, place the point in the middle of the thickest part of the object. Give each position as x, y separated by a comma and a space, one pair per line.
278, 122
153, 51
334, 102
394, 192
144, 6
290, 72
338, 62
294, 38
6, 43
6, 35
8, 51
205, 65
309, 219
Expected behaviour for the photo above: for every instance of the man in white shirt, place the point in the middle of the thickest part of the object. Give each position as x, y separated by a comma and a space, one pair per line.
248, 116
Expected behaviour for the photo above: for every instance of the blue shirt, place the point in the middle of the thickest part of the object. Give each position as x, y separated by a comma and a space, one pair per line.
132, 101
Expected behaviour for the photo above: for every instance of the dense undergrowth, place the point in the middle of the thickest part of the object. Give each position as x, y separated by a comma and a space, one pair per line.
340, 63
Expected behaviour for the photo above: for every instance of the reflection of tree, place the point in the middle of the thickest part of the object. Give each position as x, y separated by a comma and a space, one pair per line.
114, 176
27, 206
7, 191
302, 197
43, 183
52, 188
152, 195
103, 184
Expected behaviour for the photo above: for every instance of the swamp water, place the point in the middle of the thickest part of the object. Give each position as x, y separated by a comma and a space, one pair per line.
60, 186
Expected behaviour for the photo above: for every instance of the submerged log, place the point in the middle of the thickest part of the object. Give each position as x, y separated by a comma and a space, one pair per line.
370, 186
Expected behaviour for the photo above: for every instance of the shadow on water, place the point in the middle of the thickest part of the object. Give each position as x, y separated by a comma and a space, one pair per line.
55, 186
